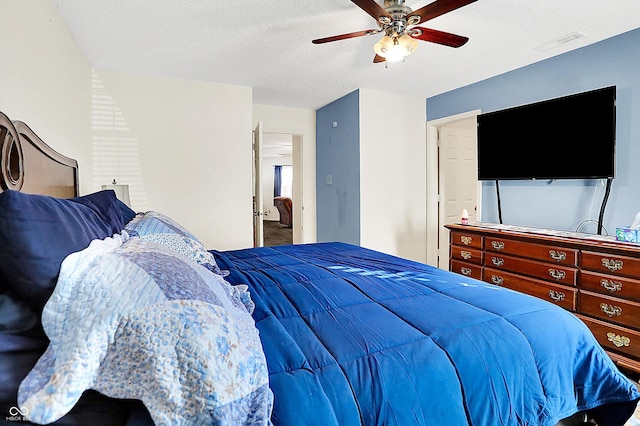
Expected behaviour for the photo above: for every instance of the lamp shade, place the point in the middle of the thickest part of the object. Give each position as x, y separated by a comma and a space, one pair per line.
122, 191
394, 49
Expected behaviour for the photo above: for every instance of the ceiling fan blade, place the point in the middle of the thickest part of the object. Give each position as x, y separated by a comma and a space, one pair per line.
372, 8
377, 59
437, 8
344, 36
440, 37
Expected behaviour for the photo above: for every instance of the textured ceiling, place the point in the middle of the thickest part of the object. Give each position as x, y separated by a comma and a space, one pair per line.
267, 44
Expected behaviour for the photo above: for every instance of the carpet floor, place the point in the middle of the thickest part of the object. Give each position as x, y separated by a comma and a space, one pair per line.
276, 234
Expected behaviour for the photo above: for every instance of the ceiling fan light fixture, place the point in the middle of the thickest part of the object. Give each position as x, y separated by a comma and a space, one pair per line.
398, 23
394, 49
408, 43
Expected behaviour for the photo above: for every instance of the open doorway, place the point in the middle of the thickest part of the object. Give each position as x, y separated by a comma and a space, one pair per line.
452, 183
281, 188
277, 188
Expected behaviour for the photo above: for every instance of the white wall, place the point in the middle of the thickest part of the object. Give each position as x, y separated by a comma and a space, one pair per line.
393, 174
45, 79
297, 121
183, 146
190, 143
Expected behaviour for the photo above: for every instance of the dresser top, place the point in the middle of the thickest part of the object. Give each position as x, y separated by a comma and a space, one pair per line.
572, 239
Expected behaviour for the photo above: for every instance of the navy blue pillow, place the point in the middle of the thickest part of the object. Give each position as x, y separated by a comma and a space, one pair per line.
127, 213
37, 232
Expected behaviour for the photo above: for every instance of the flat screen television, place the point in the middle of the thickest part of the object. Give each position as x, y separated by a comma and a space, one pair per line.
571, 137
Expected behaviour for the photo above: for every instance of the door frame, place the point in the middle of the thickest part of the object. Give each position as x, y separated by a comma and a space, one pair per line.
258, 214
298, 193
433, 190
298, 186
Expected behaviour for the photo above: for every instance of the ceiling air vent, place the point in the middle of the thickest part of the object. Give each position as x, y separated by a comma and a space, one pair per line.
561, 40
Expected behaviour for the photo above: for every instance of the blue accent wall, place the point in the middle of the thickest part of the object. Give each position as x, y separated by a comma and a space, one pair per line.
564, 204
338, 170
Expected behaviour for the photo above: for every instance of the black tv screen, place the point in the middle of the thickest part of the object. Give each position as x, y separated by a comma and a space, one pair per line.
571, 137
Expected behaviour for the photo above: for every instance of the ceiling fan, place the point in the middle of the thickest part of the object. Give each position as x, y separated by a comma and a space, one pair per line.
398, 23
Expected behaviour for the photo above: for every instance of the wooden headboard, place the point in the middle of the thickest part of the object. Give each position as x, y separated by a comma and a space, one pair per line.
29, 165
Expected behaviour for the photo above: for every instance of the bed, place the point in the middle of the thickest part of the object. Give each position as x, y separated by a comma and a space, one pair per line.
112, 317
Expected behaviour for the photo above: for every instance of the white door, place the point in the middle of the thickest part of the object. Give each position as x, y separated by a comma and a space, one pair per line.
458, 181
258, 226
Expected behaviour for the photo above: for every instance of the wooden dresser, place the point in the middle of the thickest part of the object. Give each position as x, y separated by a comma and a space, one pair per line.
596, 277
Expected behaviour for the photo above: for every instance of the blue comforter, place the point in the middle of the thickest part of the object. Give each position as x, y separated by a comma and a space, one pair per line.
353, 336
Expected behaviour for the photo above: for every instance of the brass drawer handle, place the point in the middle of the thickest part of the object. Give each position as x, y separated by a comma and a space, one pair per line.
497, 261
610, 310
618, 340
557, 296
557, 274
465, 271
612, 264
466, 240
497, 245
466, 255
610, 285
497, 280
558, 256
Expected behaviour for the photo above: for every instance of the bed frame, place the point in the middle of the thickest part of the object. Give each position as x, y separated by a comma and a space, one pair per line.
29, 165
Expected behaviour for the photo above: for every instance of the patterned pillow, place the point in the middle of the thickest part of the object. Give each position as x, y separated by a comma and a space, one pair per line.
161, 229
134, 320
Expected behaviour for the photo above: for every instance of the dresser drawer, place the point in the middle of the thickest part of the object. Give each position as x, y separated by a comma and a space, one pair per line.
610, 264
609, 308
597, 280
467, 254
466, 239
555, 273
465, 268
560, 295
626, 288
549, 253
613, 337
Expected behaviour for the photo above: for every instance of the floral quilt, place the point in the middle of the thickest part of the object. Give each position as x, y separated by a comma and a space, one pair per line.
132, 319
